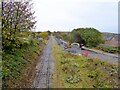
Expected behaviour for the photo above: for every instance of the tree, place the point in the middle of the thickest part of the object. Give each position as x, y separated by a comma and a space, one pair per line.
44, 35
89, 36
76, 37
17, 18
49, 32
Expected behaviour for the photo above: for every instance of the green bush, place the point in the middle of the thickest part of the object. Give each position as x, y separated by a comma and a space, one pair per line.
108, 49
72, 71
88, 36
14, 61
25, 42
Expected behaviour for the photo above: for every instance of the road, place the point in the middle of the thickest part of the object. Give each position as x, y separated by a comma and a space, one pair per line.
92, 54
44, 68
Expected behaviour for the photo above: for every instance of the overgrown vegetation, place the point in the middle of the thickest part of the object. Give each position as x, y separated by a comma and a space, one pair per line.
44, 35
17, 23
108, 49
73, 71
18, 64
20, 47
89, 36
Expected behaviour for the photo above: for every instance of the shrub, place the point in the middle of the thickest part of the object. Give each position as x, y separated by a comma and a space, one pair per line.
108, 49
44, 35
73, 72
89, 36
14, 61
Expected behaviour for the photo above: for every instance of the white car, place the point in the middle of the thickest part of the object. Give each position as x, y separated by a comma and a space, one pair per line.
75, 45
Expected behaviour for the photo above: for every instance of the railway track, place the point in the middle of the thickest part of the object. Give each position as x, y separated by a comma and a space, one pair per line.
44, 68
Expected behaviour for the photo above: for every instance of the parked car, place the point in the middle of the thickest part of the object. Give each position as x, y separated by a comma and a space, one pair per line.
85, 54
75, 45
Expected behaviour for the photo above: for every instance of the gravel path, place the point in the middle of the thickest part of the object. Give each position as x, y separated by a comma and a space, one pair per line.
44, 68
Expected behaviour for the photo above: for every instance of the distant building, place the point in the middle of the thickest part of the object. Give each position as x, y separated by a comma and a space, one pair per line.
111, 39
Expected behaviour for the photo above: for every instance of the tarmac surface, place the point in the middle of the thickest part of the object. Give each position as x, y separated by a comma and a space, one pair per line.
107, 57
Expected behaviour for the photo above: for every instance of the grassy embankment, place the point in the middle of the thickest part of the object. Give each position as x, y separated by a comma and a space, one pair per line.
108, 49
19, 65
72, 71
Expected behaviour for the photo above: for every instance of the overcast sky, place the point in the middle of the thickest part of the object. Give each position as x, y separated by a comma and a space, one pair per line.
66, 15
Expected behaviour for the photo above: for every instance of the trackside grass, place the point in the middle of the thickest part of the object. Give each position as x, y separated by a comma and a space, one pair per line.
73, 71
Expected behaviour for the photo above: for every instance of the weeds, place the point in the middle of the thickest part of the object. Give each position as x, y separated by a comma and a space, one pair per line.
14, 62
108, 49
79, 72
